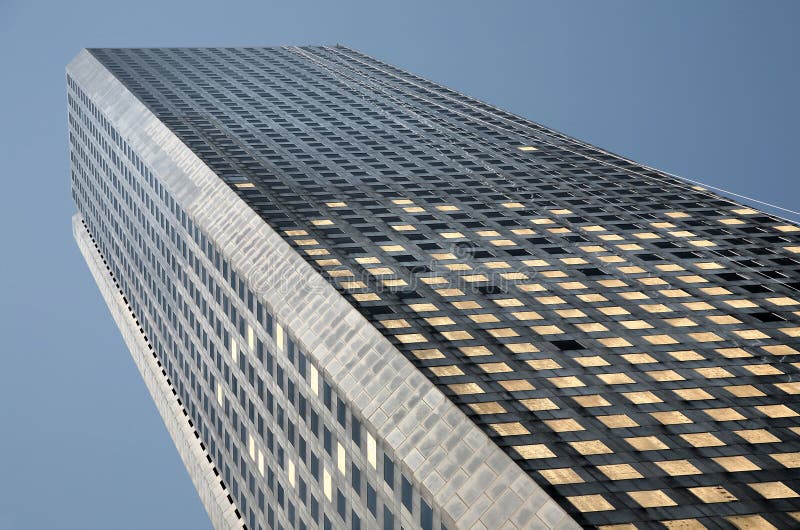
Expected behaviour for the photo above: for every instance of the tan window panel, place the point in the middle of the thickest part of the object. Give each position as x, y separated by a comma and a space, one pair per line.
366, 297
590, 503
411, 338
456, 335
380, 271
446, 371
633, 295
396, 323
674, 293
762, 369
538, 404
534, 451
591, 447
776, 411
751, 334
655, 308
774, 490
547, 330
566, 425
553, 274
652, 498
490, 407
757, 436
736, 464
563, 475
531, 287
693, 394
590, 327
792, 332
780, 349
616, 379
590, 361
709, 265
678, 468
639, 358
614, 342
715, 291
428, 354
698, 306
613, 310
665, 375
723, 319
591, 401
440, 321
702, 439
595, 297
572, 286
484, 318
733, 353
792, 388
713, 372
686, 355
466, 388
543, 364
724, 414
671, 417
744, 391
513, 428
472, 278
516, 385
566, 382
705, 336
740, 304
508, 302
620, 472
521, 347
475, 351
618, 421
495, 368
466, 304
501, 333
660, 339
526, 315
643, 397
422, 308
550, 300
713, 494
646, 443
790, 460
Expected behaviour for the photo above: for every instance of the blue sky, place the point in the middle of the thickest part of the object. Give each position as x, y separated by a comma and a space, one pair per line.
707, 90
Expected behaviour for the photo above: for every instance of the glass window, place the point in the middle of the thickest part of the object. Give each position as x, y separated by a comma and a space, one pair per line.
327, 440
356, 431
388, 519
407, 494
341, 412
341, 505
388, 471
328, 393
372, 500
355, 477
425, 515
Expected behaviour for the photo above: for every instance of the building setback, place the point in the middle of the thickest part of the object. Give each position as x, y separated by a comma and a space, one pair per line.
360, 299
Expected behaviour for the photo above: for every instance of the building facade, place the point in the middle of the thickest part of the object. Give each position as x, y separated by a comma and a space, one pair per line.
363, 300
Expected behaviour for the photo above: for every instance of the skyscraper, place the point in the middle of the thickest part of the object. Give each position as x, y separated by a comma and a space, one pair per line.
363, 300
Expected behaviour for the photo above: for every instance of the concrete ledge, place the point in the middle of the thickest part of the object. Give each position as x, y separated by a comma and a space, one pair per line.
214, 498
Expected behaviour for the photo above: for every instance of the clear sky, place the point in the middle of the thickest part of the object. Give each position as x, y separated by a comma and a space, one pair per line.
706, 89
